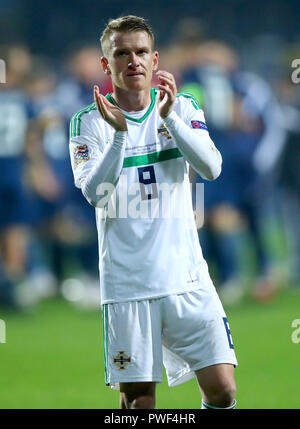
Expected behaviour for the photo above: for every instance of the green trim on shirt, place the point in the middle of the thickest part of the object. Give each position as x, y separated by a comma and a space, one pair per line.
151, 158
193, 99
75, 123
140, 120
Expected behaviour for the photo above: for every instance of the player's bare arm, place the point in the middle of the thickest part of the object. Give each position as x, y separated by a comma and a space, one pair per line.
110, 113
168, 91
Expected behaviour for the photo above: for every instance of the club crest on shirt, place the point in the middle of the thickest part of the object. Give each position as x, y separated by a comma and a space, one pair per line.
164, 132
81, 154
122, 360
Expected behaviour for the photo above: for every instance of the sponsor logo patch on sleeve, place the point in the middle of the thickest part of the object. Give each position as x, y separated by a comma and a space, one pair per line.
81, 154
199, 125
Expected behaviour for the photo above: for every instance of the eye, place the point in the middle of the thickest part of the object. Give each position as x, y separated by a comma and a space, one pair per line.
122, 53
142, 52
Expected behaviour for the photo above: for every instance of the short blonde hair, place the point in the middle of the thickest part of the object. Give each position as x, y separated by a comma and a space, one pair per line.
124, 24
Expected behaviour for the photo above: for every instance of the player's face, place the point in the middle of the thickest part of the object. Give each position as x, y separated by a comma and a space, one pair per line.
130, 61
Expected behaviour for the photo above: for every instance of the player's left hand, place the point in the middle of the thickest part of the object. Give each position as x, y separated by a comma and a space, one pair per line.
168, 91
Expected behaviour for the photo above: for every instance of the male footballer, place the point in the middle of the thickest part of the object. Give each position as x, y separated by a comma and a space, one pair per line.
159, 304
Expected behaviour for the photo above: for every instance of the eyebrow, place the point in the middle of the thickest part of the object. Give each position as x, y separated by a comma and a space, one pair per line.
141, 48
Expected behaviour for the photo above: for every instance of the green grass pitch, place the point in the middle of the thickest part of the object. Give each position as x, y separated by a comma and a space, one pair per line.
53, 358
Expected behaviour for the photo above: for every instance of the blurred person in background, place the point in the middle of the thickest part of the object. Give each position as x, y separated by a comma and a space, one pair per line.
288, 166
80, 71
44, 190
15, 114
244, 118
66, 237
74, 91
26, 180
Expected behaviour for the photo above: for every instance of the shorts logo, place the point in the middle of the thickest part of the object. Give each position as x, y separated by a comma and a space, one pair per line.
199, 125
164, 132
81, 154
122, 360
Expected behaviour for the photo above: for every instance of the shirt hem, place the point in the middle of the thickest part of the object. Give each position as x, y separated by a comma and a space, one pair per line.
181, 291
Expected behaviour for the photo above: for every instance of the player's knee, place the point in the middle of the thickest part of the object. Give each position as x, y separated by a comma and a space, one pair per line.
223, 396
226, 396
138, 401
143, 402
138, 396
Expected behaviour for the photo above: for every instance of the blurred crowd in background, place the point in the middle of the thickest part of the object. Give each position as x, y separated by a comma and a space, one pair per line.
250, 236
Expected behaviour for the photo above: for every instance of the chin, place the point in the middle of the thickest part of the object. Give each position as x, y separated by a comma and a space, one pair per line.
137, 85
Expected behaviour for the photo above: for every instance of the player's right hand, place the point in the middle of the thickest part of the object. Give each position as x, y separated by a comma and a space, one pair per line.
110, 113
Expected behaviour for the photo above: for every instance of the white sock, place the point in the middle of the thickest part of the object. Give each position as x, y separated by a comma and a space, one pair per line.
205, 406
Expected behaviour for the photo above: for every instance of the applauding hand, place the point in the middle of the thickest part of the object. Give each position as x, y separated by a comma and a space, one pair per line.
110, 113
168, 93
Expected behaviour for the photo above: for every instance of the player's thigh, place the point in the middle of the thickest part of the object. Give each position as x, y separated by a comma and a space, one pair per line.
196, 329
216, 379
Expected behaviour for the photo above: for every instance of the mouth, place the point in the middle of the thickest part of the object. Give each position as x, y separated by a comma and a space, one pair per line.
135, 74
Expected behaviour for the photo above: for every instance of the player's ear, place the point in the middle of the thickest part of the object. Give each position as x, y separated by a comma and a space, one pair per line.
105, 66
155, 60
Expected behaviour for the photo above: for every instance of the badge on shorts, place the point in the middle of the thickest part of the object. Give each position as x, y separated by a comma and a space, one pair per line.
81, 154
122, 360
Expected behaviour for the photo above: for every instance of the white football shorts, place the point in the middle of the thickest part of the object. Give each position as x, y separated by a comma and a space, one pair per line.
184, 332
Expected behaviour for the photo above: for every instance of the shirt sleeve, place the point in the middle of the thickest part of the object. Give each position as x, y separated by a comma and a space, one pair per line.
191, 135
93, 162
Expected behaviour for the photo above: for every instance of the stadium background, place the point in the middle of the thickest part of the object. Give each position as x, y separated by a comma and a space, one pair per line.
53, 354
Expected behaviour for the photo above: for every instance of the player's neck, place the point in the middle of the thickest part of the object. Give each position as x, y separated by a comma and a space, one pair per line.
132, 101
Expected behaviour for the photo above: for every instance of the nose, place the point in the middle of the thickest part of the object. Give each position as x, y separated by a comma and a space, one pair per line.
133, 61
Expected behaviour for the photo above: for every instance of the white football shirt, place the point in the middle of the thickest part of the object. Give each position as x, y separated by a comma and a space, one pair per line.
148, 241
